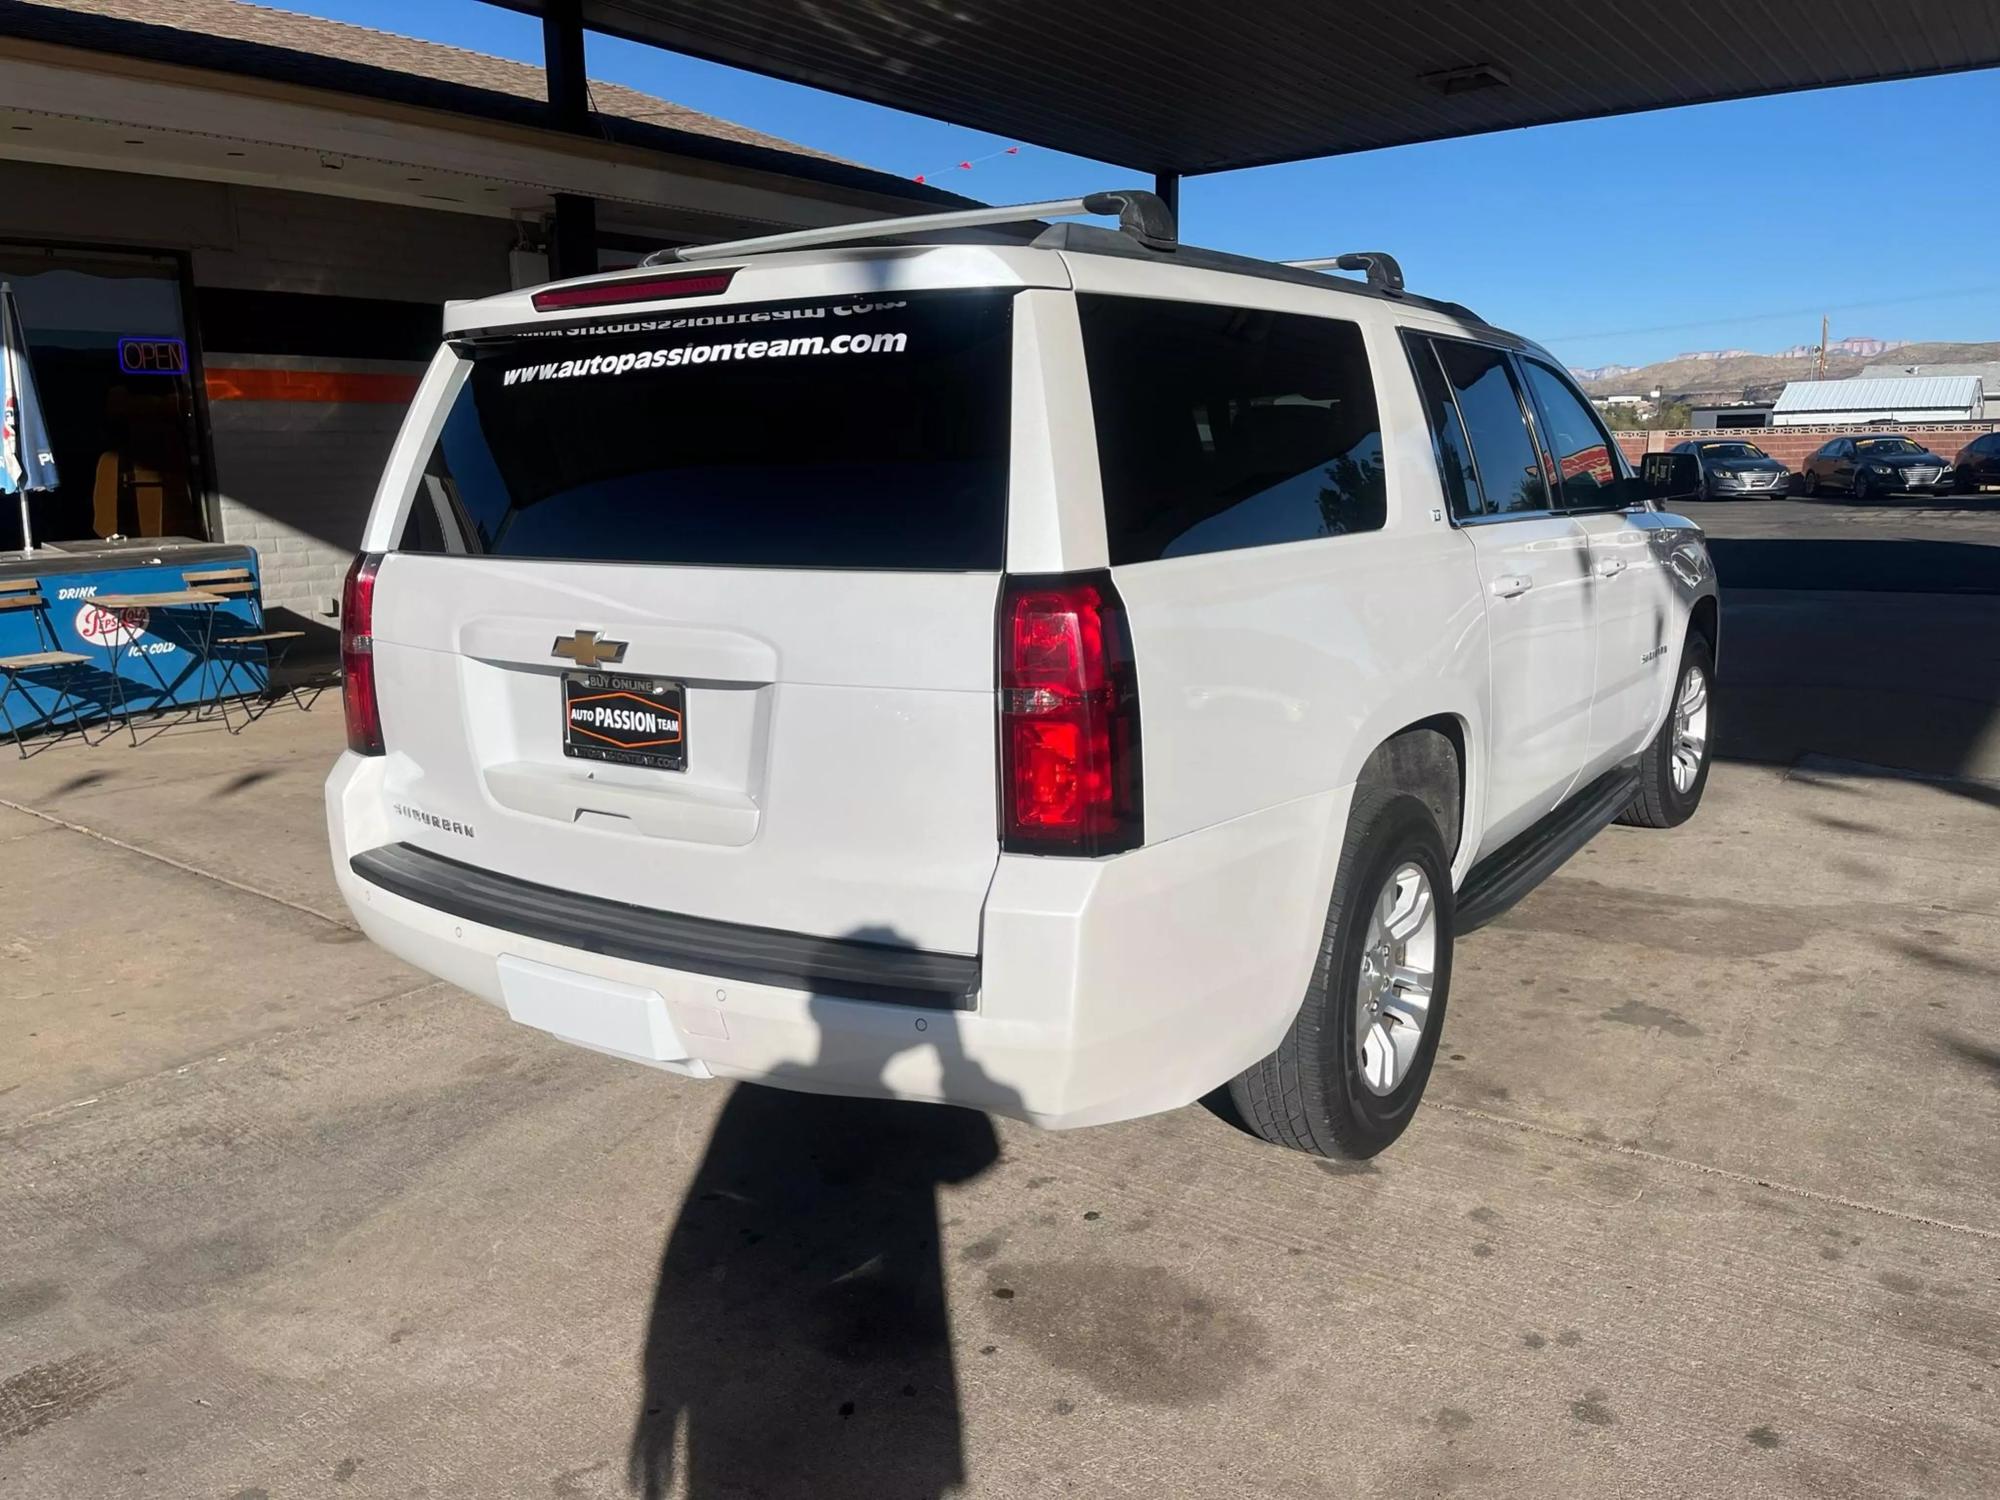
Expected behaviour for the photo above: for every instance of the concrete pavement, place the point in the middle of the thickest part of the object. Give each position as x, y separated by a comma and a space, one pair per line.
1705, 1199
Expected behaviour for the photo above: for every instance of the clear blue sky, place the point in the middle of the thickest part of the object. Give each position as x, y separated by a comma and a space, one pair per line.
1627, 240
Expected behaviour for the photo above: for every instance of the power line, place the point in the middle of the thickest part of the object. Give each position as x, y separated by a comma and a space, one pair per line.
1772, 317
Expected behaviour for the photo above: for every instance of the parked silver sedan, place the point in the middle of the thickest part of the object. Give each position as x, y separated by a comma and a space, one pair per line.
1732, 467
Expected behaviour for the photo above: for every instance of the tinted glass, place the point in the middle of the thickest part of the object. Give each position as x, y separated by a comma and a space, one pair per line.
1892, 445
1731, 450
1510, 472
837, 433
1220, 427
1584, 466
1454, 453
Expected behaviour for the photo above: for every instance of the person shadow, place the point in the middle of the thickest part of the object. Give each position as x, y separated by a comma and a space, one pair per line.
800, 1336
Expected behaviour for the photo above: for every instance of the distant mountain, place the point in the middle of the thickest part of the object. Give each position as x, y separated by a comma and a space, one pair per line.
1728, 375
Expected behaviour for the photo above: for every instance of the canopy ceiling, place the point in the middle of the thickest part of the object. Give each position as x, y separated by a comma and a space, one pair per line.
1185, 86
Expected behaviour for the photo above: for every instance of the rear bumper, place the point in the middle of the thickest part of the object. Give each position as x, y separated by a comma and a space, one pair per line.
1104, 989
841, 968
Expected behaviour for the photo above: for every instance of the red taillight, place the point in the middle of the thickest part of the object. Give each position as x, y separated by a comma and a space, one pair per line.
637, 289
1069, 718
357, 656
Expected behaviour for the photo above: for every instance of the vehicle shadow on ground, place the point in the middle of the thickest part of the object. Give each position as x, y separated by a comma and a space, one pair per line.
800, 1338
1873, 652
1914, 565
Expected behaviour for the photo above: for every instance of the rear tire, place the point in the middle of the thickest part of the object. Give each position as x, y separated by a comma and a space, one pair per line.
1810, 481
1347, 1077
1673, 768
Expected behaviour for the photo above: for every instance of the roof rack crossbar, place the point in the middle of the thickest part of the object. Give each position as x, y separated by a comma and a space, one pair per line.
1384, 274
1140, 214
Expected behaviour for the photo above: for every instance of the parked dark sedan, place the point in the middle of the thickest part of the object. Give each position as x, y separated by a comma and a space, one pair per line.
1731, 467
1873, 465
1978, 464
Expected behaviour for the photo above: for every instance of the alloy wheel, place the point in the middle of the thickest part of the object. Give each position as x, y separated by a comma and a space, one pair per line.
1690, 729
1398, 965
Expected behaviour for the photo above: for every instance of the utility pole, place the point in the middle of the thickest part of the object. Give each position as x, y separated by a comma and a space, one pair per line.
1820, 369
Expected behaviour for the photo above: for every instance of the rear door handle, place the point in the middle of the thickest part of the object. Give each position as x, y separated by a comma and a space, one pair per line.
1610, 567
1512, 585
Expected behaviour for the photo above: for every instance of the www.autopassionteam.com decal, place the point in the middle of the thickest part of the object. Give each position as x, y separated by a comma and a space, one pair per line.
699, 354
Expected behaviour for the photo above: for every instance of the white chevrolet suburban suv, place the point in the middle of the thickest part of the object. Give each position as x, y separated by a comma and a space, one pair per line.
1054, 670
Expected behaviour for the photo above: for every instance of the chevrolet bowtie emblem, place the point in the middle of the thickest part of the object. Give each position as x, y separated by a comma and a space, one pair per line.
587, 650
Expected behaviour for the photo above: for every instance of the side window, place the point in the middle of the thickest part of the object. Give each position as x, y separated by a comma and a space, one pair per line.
1454, 453
1223, 427
1510, 471
1585, 468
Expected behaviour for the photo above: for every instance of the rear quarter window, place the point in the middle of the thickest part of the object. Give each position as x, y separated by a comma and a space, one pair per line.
866, 433
1221, 428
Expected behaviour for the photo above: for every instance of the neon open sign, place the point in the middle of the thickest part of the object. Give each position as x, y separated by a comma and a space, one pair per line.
152, 356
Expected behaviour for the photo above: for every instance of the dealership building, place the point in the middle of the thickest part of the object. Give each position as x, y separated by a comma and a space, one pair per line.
231, 231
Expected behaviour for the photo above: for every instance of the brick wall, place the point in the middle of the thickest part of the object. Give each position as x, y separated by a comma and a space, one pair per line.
296, 481
1792, 445
295, 477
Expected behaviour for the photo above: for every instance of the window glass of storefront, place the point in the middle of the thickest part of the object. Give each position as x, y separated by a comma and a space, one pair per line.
108, 342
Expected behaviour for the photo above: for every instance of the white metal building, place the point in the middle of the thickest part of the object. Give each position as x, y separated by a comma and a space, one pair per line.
1859, 403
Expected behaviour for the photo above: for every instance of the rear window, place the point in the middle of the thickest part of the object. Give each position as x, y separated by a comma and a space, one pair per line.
834, 433
1225, 427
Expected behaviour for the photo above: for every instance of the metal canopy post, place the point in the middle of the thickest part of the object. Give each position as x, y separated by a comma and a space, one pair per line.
573, 232
1167, 188
562, 59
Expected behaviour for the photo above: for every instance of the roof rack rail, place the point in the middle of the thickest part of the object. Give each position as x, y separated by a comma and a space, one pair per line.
1140, 214
1383, 273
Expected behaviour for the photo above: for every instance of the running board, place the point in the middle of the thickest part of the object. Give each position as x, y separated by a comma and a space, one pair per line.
1501, 879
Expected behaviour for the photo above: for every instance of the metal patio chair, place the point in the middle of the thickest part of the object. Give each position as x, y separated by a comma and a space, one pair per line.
277, 644
54, 662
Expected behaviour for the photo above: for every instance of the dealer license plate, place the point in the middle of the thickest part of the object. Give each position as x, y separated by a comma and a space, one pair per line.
631, 721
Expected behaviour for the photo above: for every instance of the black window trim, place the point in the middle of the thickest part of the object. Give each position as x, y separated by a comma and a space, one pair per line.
1552, 465
1420, 344
1522, 395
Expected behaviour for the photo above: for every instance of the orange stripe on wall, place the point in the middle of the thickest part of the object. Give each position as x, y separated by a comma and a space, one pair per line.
310, 385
